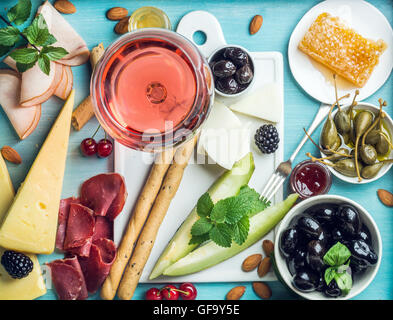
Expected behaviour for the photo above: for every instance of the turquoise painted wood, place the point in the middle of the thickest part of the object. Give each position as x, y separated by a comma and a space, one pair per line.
280, 18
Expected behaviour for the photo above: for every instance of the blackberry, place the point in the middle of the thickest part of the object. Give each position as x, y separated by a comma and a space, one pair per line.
267, 139
16, 264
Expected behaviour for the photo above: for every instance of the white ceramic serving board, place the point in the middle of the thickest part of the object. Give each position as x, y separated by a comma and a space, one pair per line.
135, 166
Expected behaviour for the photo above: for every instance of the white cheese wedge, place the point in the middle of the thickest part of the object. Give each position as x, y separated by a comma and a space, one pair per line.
265, 103
31, 222
223, 137
33, 285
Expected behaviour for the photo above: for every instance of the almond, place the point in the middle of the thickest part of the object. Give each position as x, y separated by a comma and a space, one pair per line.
65, 6
122, 26
11, 155
264, 267
236, 293
251, 262
256, 24
262, 290
386, 197
268, 247
117, 13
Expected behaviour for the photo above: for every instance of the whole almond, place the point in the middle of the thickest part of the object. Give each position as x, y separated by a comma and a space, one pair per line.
122, 26
386, 197
11, 155
264, 267
236, 293
268, 247
256, 24
251, 262
65, 6
117, 13
262, 290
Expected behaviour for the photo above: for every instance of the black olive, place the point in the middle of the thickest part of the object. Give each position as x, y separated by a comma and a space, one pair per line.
299, 257
336, 236
358, 265
305, 280
321, 282
244, 74
291, 264
224, 68
323, 213
315, 253
309, 227
365, 235
227, 85
315, 247
332, 290
323, 237
360, 250
288, 241
348, 220
238, 56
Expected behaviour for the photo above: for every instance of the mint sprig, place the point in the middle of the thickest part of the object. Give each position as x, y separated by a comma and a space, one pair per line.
228, 220
36, 35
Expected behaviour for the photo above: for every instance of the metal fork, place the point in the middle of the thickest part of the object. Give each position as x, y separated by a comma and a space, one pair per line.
285, 168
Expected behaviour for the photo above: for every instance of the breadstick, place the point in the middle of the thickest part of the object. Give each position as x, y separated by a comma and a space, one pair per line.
148, 235
142, 208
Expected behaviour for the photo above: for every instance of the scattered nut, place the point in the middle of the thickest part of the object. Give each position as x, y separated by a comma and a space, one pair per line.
256, 24
117, 13
11, 155
251, 262
268, 247
122, 26
236, 293
262, 290
264, 267
64, 6
386, 197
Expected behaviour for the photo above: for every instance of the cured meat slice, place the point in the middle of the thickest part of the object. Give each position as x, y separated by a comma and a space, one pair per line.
105, 194
103, 228
66, 82
24, 120
64, 210
66, 280
97, 266
67, 37
80, 229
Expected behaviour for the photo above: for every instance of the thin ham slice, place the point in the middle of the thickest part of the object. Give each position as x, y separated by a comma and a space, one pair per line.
96, 267
24, 120
64, 210
80, 230
66, 82
67, 37
103, 228
105, 194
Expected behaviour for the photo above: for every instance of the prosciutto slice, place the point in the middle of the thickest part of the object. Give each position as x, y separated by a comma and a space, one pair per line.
67, 37
64, 87
97, 266
24, 120
64, 210
103, 228
105, 194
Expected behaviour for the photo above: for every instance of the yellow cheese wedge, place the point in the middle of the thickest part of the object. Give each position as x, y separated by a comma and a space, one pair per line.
31, 222
33, 285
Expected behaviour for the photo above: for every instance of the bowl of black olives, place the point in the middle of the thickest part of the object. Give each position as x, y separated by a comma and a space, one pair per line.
327, 247
233, 70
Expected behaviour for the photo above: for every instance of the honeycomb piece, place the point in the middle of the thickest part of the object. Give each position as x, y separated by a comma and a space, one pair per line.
341, 49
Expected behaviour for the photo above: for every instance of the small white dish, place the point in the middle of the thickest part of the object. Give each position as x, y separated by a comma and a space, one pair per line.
389, 124
362, 280
365, 19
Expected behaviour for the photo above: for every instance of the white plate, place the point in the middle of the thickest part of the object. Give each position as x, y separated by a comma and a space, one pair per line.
365, 19
196, 180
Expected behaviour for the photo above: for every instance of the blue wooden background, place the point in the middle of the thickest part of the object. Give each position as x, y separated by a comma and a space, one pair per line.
280, 18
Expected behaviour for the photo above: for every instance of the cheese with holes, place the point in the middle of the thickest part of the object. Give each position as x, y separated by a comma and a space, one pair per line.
31, 222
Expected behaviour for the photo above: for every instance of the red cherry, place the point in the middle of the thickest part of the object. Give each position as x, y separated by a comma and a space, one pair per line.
189, 291
170, 292
104, 148
153, 294
88, 147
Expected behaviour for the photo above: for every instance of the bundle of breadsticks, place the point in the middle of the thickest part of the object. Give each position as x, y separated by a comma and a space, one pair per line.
149, 212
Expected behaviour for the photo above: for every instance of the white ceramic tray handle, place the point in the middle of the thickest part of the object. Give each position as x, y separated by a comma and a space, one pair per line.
206, 22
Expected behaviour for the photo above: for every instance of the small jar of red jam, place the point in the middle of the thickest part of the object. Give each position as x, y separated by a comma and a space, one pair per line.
310, 179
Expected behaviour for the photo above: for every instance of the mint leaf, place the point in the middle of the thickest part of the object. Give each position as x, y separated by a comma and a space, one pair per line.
37, 33
240, 230
220, 210
329, 274
54, 53
344, 282
201, 226
204, 205
221, 234
256, 204
9, 36
19, 13
337, 255
4, 50
22, 67
44, 64
199, 239
24, 55
51, 40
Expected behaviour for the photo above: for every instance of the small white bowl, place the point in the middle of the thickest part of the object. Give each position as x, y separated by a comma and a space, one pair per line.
361, 281
253, 69
389, 123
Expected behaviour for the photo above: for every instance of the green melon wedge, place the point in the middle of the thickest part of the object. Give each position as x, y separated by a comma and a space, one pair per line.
211, 254
227, 185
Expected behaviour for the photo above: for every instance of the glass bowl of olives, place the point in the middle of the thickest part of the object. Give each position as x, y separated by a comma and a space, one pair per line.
233, 70
356, 142
326, 247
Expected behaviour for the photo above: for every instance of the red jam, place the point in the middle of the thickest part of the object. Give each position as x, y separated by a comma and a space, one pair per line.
310, 179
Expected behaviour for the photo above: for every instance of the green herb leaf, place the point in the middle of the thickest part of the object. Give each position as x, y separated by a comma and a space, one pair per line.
256, 204
4, 50
44, 64
221, 234
199, 239
37, 33
51, 40
22, 67
24, 55
329, 274
344, 282
240, 230
204, 205
337, 255
220, 210
54, 53
201, 226
19, 13
9, 36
